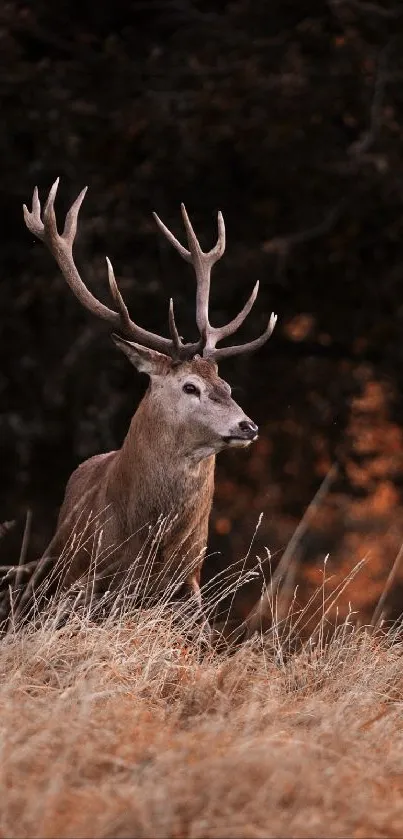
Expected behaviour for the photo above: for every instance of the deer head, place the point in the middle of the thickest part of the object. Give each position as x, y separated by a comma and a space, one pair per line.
185, 388
191, 400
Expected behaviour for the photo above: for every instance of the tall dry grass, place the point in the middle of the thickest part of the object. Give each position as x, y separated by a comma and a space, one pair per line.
123, 728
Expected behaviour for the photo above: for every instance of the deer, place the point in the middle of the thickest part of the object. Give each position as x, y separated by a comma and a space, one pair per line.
164, 470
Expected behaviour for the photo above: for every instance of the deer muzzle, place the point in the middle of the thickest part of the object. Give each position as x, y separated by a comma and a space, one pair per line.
243, 434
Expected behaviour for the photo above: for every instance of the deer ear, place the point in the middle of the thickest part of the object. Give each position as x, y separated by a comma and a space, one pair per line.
144, 359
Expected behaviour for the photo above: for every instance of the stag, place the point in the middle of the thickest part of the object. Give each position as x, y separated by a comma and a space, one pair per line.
164, 470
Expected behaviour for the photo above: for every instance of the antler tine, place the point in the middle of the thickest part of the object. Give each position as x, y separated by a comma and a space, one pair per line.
117, 297
61, 247
173, 329
33, 217
49, 216
213, 255
227, 352
203, 263
193, 242
70, 224
218, 333
185, 254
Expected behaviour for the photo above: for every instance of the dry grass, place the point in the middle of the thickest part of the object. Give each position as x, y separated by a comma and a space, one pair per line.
121, 729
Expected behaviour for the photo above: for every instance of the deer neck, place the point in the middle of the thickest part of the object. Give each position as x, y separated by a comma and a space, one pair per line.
156, 467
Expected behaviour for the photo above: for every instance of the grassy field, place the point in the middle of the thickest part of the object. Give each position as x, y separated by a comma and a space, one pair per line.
124, 729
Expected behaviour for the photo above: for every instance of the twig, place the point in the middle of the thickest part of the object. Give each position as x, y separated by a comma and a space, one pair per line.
253, 620
285, 243
282, 245
24, 547
376, 617
287, 589
5, 527
367, 8
367, 139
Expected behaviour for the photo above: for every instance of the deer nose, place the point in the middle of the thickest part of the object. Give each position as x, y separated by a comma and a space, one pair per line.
248, 428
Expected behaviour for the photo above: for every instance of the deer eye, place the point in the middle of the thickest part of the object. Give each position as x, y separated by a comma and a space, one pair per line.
191, 389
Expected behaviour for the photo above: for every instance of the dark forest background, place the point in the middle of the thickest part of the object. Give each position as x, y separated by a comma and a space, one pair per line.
287, 116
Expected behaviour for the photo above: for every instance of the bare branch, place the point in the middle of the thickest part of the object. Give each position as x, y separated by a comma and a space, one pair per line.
368, 137
368, 8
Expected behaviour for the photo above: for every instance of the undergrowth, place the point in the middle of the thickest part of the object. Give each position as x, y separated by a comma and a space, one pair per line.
123, 728
132, 722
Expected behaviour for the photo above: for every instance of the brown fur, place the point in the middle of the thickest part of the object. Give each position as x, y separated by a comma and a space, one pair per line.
154, 475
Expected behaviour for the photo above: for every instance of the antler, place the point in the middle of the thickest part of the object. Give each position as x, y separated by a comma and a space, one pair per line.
202, 264
61, 247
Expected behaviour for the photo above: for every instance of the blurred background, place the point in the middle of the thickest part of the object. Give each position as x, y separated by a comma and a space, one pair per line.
287, 116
